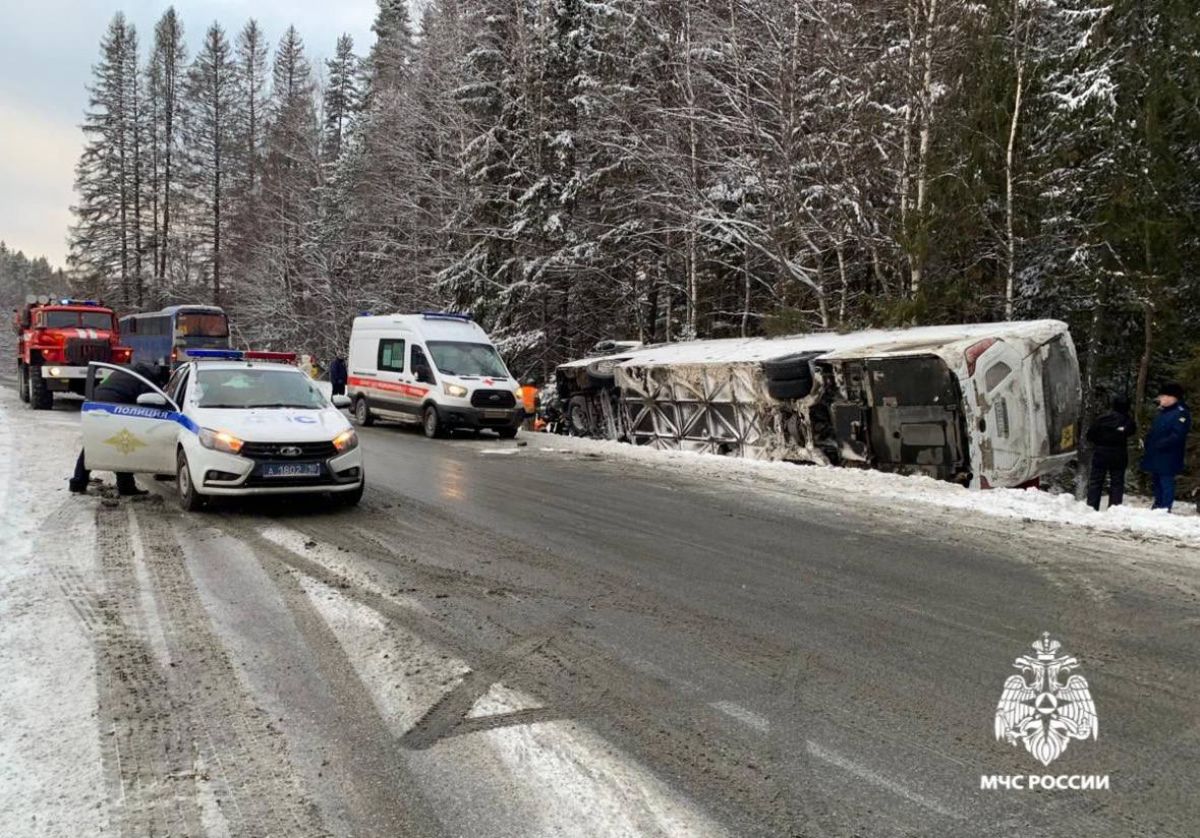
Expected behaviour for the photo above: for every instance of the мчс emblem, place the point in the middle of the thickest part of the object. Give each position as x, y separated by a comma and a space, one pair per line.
1039, 709
125, 442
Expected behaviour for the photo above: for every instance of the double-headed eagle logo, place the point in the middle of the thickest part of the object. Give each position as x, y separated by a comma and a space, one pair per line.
1039, 709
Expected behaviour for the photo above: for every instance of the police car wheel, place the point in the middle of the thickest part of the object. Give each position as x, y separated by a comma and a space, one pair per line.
189, 499
352, 497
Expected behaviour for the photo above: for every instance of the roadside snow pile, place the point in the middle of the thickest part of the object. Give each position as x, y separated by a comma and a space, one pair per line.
51, 781
876, 486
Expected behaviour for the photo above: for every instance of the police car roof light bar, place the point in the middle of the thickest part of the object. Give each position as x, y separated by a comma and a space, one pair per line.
214, 354
447, 315
264, 355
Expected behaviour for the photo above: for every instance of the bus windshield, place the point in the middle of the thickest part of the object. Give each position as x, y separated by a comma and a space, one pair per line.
197, 325
456, 358
256, 387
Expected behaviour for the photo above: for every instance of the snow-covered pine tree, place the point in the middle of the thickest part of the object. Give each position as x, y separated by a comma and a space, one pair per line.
341, 98
210, 139
164, 89
291, 177
103, 241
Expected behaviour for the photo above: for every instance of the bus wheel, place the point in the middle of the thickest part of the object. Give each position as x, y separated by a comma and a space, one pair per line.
362, 413
40, 397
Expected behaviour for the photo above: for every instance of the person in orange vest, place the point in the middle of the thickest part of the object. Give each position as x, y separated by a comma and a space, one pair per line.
529, 400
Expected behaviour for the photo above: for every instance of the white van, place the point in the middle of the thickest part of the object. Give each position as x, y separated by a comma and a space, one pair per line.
438, 369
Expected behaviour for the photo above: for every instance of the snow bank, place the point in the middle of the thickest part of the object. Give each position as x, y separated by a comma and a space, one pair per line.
890, 489
50, 764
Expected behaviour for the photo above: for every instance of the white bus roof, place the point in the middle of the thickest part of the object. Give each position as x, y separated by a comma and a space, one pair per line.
872, 343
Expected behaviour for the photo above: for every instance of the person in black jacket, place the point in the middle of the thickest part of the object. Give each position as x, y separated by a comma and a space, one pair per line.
1109, 436
337, 376
117, 388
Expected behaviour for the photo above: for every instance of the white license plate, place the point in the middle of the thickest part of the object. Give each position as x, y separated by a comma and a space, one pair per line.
291, 470
495, 414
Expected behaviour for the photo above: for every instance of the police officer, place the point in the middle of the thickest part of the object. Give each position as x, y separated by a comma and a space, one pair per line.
117, 388
1109, 436
1165, 444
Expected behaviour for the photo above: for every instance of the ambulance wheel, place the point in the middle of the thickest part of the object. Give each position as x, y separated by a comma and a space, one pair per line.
507, 433
22, 384
431, 423
189, 499
40, 397
362, 412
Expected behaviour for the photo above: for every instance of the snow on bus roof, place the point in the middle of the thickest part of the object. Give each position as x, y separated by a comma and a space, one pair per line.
871, 342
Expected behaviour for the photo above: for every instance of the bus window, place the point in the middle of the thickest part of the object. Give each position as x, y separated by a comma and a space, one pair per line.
202, 325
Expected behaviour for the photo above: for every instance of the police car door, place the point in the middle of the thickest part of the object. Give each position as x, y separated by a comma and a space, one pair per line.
129, 437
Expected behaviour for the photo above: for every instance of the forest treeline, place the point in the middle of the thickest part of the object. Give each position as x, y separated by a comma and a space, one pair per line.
570, 170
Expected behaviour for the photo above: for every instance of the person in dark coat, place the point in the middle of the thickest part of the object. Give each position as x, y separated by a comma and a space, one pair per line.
1109, 436
117, 388
1165, 444
337, 376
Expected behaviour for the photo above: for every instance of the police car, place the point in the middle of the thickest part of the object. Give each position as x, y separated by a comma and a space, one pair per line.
228, 423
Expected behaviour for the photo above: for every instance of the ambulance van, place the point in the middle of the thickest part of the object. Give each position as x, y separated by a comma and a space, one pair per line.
436, 369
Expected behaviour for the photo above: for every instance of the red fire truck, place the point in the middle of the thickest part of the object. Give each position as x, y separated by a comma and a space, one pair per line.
57, 340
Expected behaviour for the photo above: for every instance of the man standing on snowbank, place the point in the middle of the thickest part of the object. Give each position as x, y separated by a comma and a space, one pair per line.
1109, 436
1165, 444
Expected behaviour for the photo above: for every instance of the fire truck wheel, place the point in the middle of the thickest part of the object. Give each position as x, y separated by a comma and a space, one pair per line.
189, 499
40, 397
22, 383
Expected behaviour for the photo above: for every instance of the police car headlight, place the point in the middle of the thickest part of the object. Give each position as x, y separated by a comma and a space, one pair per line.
220, 441
456, 390
345, 441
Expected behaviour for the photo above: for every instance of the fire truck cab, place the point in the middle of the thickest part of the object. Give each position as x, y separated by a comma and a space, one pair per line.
56, 341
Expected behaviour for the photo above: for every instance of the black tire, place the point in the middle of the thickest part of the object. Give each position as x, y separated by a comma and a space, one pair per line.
22, 384
789, 367
431, 422
40, 397
789, 388
577, 418
362, 413
189, 499
352, 497
507, 433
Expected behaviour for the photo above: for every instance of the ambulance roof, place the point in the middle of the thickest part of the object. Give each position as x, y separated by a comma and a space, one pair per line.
428, 326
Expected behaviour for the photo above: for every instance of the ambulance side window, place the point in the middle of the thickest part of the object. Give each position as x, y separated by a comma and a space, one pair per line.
391, 355
420, 366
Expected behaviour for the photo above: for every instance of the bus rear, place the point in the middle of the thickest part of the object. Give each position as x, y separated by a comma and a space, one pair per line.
162, 338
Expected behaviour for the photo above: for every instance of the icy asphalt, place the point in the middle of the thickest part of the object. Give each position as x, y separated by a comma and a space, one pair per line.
546, 640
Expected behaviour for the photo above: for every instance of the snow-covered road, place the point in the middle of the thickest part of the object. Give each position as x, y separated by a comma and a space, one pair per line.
573, 638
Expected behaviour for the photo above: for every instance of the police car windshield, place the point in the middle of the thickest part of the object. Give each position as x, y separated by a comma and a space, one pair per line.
456, 358
254, 387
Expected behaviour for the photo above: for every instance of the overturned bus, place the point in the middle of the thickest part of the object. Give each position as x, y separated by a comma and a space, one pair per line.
984, 405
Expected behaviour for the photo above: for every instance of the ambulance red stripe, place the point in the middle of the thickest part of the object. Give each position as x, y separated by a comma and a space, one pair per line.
387, 386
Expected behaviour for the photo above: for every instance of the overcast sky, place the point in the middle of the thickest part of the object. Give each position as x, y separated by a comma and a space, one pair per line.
47, 49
